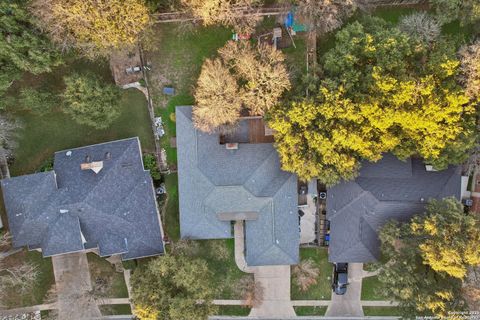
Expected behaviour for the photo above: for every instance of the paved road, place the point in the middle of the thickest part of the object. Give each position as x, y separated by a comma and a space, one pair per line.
73, 284
349, 303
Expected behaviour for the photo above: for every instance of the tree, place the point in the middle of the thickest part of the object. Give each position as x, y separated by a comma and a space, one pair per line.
326, 15
150, 163
37, 101
305, 274
218, 98
420, 25
223, 12
261, 71
95, 27
242, 78
467, 11
22, 46
250, 290
448, 238
470, 69
175, 286
90, 101
382, 92
425, 261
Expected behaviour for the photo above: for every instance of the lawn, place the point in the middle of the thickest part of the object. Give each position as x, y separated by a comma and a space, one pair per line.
102, 270
43, 284
170, 216
310, 311
41, 136
381, 311
322, 289
115, 309
234, 311
369, 287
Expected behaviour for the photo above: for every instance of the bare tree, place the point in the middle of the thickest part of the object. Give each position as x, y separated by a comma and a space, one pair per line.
261, 70
218, 98
305, 274
421, 25
8, 129
470, 69
223, 12
250, 291
326, 15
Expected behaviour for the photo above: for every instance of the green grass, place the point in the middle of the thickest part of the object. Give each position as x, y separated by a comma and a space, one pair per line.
101, 268
310, 311
381, 311
115, 309
41, 136
46, 277
369, 287
322, 289
234, 311
393, 14
171, 216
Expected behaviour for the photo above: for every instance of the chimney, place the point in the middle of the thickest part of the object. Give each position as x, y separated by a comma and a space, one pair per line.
95, 166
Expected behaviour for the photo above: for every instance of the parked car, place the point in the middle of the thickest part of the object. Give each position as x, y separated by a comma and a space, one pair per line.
340, 278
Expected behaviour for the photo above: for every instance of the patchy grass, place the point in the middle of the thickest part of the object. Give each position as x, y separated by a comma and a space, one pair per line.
369, 287
41, 136
381, 311
310, 311
322, 290
115, 309
220, 256
44, 281
102, 269
234, 311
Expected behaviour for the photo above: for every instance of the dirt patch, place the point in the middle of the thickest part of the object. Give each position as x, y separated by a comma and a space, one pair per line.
126, 66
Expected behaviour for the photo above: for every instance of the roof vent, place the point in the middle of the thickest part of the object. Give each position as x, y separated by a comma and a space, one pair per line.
63, 211
95, 166
231, 146
68, 153
87, 158
108, 156
429, 167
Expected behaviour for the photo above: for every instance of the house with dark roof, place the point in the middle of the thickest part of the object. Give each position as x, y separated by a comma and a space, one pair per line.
388, 189
98, 198
237, 177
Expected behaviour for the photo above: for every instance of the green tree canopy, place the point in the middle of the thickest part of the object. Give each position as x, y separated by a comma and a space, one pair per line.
467, 11
22, 46
174, 287
382, 92
426, 259
90, 101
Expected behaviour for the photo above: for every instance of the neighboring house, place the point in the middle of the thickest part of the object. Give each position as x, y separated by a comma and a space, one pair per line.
237, 177
98, 197
388, 189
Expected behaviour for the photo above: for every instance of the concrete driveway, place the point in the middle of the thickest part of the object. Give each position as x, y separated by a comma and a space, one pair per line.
73, 285
349, 303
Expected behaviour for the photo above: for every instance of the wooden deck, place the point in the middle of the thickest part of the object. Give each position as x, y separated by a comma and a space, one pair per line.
257, 132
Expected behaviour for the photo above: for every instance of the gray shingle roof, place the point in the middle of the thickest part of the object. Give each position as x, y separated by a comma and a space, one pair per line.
213, 180
388, 189
69, 209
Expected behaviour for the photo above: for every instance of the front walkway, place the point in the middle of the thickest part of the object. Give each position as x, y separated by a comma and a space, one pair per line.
74, 287
274, 280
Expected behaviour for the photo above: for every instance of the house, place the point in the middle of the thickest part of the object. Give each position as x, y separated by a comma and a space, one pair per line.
97, 198
388, 189
237, 177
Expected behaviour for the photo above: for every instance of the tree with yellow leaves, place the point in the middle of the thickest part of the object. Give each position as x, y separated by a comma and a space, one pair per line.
425, 261
93, 26
382, 92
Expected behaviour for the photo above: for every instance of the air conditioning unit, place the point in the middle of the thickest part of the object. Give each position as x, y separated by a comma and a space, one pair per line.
231, 146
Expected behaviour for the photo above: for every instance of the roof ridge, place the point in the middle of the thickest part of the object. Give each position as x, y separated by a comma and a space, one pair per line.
116, 164
98, 144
